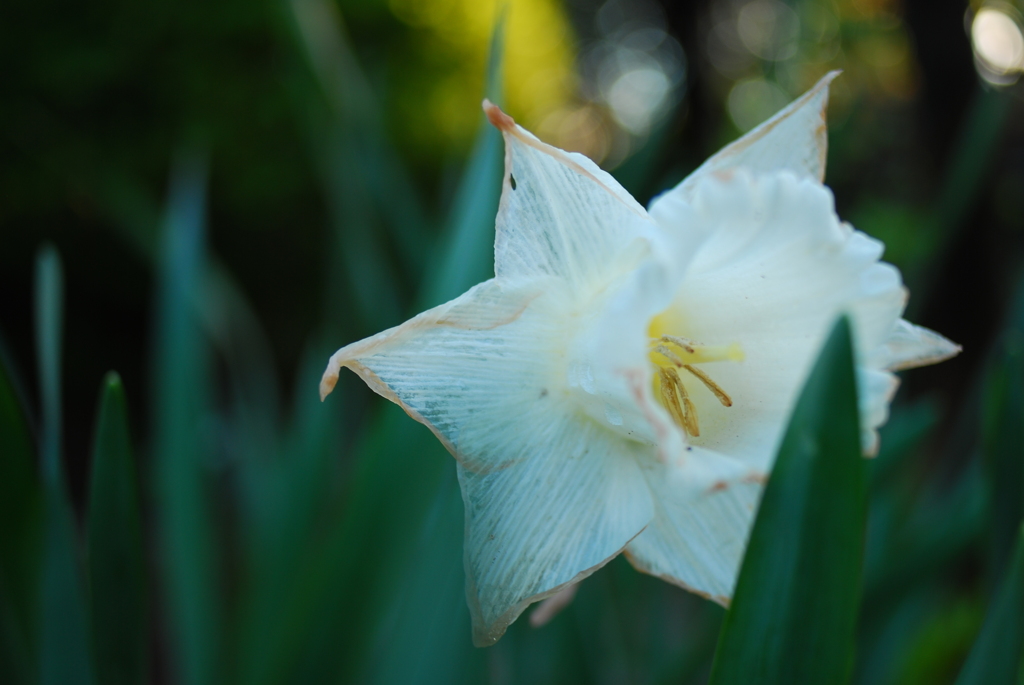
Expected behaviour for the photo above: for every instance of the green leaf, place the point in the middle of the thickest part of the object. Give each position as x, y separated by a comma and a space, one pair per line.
49, 312
901, 437
354, 161
20, 543
187, 554
1002, 438
996, 658
795, 606
64, 650
468, 244
285, 500
115, 553
64, 655
431, 592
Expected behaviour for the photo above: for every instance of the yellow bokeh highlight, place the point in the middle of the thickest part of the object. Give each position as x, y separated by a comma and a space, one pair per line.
539, 69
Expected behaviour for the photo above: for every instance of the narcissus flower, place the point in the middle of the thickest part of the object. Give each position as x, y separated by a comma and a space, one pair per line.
623, 382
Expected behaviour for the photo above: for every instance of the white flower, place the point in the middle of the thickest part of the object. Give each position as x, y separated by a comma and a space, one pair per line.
623, 382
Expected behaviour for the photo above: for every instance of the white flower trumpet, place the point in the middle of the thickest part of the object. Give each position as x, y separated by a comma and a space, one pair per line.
623, 382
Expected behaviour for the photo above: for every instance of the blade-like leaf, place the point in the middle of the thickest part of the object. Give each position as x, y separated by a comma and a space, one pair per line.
431, 592
901, 436
351, 156
186, 528
468, 243
997, 657
64, 656
20, 528
49, 313
116, 559
1003, 438
795, 606
285, 499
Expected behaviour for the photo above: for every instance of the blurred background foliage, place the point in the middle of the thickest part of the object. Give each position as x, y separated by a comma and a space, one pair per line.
210, 197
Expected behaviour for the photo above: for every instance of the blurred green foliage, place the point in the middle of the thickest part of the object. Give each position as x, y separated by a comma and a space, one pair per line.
215, 524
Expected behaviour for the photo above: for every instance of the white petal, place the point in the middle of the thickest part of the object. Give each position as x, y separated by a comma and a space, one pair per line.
909, 346
776, 271
875, 390
795, 140
697, 540
468, 369
569, 505
565, 217
550, 493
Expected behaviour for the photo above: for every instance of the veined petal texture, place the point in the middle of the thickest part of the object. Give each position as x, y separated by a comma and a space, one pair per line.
551, 519
696, 539
561, 215
550, 494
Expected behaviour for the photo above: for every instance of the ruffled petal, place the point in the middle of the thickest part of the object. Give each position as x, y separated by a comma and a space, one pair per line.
560, 214
574, 500
875, 390
696, 539
794, 140
775, 272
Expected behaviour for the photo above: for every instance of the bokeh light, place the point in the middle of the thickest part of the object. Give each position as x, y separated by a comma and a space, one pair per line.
752, 101
453, 36
998, 44
632, 72
762, 53
627, 74
769, 29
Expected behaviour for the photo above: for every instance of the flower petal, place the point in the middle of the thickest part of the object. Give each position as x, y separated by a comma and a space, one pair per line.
696, 540
573, 501
550, 494
909, 346
776, 271
795, 140
875, 390
560, 214
468, 369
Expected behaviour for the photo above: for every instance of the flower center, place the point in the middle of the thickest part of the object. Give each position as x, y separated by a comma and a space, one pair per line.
672, 354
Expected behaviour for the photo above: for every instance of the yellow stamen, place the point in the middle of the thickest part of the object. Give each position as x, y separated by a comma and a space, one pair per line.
681, 342
670, 355
675, 352
722, 396
691, 352
676, 399
669, 397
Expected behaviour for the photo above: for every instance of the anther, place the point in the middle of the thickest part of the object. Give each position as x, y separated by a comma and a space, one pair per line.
722, 396
687, 345
670, 398
676, 399
670, 355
